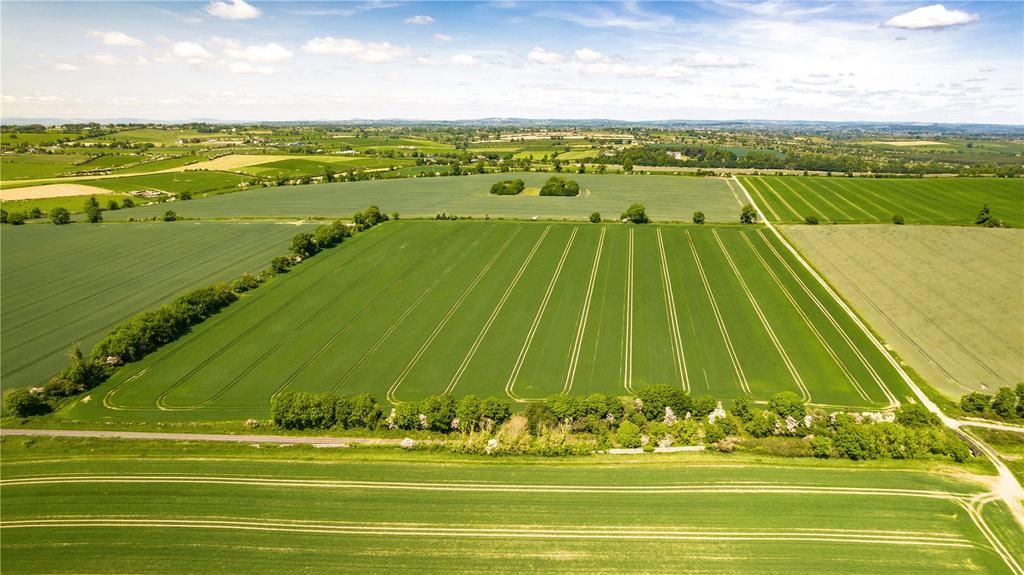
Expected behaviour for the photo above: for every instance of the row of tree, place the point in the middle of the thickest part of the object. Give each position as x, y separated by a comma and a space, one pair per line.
1007, 403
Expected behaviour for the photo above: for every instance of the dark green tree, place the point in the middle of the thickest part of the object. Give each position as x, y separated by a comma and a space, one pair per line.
748, 214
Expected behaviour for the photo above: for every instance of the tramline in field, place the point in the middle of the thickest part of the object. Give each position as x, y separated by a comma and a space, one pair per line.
523, 309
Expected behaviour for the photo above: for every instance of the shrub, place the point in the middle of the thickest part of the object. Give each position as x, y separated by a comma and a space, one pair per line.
128, 203
741, 409
1004, 403
246, 282
440, 411
567, 407
915, 415
35, 213
170, 216
497, 410
748, 215
185, 195
301, 410
698, 217
113, 205
811, 220
821, 447
636, 214
508, 187
3, 216
702, 406
539, 415
628, 435
897, 219
59, 216
655, 398
788, 403
595, 218
280, 264
23, 403
303, 245
975, 402
762, 424
713, 433
556, 186
93, 215
16, 218
364, 412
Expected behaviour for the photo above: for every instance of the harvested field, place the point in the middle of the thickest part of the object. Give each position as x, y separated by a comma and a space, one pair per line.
361, 512
49, 191
74, 283
947, 299
234, 161
910, 143
526, 310
945, 201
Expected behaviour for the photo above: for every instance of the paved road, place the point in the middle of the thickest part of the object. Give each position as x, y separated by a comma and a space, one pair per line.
223, 437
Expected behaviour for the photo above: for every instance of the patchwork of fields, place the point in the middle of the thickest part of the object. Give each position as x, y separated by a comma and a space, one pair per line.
74, 283
946, 201
666, 198
948, 299
357, 513
525, 310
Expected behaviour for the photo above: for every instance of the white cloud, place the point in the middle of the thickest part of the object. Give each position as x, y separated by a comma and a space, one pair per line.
588, 55
364, 51
247, 68
190, 52
236, 10
425, 61
542, 56
420, 20
141, 61
117, 39
270, 53
105, 59
934, 16
709, 60
465, 60
443, 37
65, 67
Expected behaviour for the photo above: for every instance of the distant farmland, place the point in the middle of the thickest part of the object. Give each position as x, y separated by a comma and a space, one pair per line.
667, 198
525, 310
74, 283
945, 201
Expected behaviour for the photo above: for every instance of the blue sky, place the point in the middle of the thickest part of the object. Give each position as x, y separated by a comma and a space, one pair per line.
715, 59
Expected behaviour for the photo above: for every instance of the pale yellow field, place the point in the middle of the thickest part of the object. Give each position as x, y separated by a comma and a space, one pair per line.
235, 161
50, 191
948, 300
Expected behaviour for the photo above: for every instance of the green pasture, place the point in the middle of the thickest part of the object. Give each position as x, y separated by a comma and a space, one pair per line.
666, 198
28, 166
315, 166
947, 201
73, 506
13, 139
66, 284
412, 309
158, 136
73, 204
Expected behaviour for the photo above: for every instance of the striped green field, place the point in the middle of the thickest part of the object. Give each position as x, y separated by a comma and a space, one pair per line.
526, 310
66, 284
944, 201
74, 506
666, 198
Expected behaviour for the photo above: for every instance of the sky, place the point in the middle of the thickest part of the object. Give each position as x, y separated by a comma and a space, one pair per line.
243, 60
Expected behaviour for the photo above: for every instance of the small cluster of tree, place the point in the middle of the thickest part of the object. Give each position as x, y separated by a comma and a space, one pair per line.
447, 216
811, 220
595, 218
439, 413
698, 217
635, 214
748, 215
306, 245
1007, 403
368, 218
897, 219
556, 186
93, 213
985, 218
508, 187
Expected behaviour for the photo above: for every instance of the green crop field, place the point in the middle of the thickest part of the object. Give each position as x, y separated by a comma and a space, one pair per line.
666, 198
174, 182
220, 509
315, 166
946, 201
525, 310
74, 283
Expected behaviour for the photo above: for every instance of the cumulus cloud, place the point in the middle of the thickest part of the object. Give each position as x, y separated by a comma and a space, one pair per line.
929, 17
709, 60
542, 56
420, 20
465, 60
588, 55
190, 52
443, 37
117, 39
363, 51
270, 53
235, 10
65, 67
105, 59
